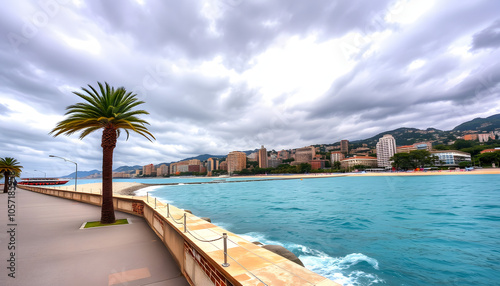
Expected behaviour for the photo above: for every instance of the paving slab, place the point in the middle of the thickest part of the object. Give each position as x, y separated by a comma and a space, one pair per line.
51, 249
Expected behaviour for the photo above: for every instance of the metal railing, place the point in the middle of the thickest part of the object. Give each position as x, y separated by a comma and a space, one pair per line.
225, 237
186, 230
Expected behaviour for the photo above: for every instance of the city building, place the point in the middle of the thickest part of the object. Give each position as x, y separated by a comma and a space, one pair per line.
336, 156
194, 162
121, 175
194, 168
236, 161
283, 154
344, 146
317, 164
212, 164
486, 137
450, 158
182, 168
470, 137
405, 149
148, 170
423, 146
262, 157
179, 167
223, 166
417, 146
386, 148
349, 163
491, 150
274, 162
162, 170
304, 155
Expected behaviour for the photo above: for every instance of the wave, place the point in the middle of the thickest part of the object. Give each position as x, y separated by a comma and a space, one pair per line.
338, 269
151, 190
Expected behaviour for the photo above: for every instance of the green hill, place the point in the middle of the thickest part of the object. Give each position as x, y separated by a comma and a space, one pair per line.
487, 124
405, 136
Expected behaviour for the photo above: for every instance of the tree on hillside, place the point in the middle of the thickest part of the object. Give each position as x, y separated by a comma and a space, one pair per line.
9, 166
111, 110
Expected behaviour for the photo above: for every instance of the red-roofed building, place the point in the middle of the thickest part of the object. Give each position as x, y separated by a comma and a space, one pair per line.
470, 137
405, 149
490, 150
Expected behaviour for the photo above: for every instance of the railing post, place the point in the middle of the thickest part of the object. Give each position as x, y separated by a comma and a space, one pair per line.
168, 210
147, 196
185, 227
224, 237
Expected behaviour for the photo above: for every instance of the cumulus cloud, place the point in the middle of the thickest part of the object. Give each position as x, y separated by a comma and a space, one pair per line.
224, 75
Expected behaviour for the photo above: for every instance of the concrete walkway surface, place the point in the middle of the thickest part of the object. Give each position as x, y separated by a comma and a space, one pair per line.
51, 249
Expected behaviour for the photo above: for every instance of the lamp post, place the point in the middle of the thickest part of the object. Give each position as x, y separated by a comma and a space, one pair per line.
76, 168
41, 172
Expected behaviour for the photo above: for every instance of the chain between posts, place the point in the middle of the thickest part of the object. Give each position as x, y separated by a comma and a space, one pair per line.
175, 220
186, 230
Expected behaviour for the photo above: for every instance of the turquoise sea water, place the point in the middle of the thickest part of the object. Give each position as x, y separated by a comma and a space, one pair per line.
425, 230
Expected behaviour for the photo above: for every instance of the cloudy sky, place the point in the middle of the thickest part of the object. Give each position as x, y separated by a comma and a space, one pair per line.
224, 75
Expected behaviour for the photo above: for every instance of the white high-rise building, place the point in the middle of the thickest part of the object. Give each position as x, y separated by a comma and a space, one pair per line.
386, 148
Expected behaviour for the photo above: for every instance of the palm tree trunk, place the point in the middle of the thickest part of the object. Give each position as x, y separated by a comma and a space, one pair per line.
6, 184
108, 144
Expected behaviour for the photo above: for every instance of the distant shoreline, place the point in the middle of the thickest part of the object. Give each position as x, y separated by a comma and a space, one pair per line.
129, 188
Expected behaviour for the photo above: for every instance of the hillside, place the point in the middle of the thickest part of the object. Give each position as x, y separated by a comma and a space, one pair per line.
82, 174
127, 168
204, 157
487, 124
406, 136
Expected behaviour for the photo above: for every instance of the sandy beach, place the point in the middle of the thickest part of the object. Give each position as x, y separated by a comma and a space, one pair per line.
119, 188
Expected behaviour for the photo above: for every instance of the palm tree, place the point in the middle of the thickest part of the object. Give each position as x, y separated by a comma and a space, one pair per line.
109, 109
9, 166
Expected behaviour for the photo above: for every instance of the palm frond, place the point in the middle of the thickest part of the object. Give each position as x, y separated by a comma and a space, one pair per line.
101, 107
9, 164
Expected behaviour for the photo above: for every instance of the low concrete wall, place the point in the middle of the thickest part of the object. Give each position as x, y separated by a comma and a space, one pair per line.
199, 251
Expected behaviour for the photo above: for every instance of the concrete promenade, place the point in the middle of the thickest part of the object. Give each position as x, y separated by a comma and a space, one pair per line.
51, 249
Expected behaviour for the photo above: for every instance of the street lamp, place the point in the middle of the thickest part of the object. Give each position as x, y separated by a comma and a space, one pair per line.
41, 172
76, 166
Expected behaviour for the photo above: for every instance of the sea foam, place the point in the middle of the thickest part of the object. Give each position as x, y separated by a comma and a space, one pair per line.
151, 190
334, 268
